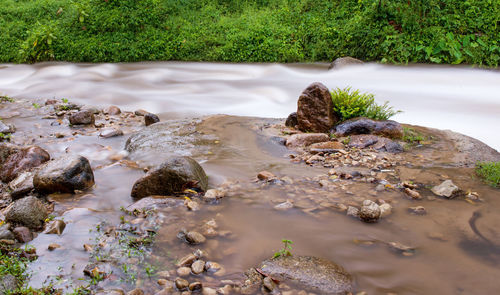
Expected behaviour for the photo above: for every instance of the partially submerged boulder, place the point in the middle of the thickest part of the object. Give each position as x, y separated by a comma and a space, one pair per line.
28, 211
151, 118
22, 160
64, 175
310, 273
315, 109
172, 176
342, 62
361, 125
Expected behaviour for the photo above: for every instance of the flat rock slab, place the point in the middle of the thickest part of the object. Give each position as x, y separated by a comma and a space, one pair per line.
310, 273
155, 202
363, 125
160, 141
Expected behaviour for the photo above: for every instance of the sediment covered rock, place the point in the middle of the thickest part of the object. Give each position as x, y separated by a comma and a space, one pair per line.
315, 109
172, 176
305, 139
446, 189
65, 175
310, 273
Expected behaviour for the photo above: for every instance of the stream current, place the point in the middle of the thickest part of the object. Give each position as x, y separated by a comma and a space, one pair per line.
449, 258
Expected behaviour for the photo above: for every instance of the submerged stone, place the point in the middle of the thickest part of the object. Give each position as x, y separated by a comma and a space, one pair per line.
446, 189
172, 176
310, 273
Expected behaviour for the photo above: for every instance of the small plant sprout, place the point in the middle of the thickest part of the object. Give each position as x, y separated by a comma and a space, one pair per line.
286, 249
36, 106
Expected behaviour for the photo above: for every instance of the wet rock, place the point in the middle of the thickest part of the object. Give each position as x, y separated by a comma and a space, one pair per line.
87, 248
108, 133
5, 129
208, 291
154, 202
195, 287
352, 211
5, 233
250, 286
369, 212
136, 291
28, 211
326, 147
91, 109
266, 175
418, 210
172, 176
192, 205
181, 284
55, 227
21, 185
361, 125
150, 118
385, 210
64, 175
82, 118
446, 189
342, 62
311, 273
183, 271
195, 238
412, 193
7, 149
292, 120
53, 246
22, 234
398, 247
306, 139
23, 160
198, 267
284, 206
268, 284
8, 283
315, 109
112, 110
212, 267
186, 260
141, 112
376, 142
213, 195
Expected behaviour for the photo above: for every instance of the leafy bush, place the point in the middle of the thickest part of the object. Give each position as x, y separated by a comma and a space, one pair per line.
395, 31
490, 172
349, 104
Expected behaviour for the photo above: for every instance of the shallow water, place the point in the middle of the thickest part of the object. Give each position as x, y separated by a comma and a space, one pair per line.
456, 262
464, 100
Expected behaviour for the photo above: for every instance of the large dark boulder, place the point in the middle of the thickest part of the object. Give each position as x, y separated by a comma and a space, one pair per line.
310, 273
172, 176
363, 125
28, 211
315, 109
291, 120
64, 175
23, 160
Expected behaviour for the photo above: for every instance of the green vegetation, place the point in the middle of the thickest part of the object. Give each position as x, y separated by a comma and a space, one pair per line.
286, 249
490, 172
4, 98
351, 104
412, 136
395, 31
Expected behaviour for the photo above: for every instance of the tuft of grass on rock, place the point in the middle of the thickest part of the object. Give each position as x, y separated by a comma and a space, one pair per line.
489, 172
348, 103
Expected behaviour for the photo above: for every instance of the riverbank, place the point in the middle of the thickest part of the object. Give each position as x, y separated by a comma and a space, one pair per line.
258, 189
444, 32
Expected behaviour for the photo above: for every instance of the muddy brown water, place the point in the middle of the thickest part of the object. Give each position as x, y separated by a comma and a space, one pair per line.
450, 257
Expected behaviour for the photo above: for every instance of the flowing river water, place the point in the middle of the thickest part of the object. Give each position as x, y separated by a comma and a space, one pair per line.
450, 259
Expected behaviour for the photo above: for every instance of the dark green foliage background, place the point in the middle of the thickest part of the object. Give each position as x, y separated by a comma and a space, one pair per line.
396, 31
